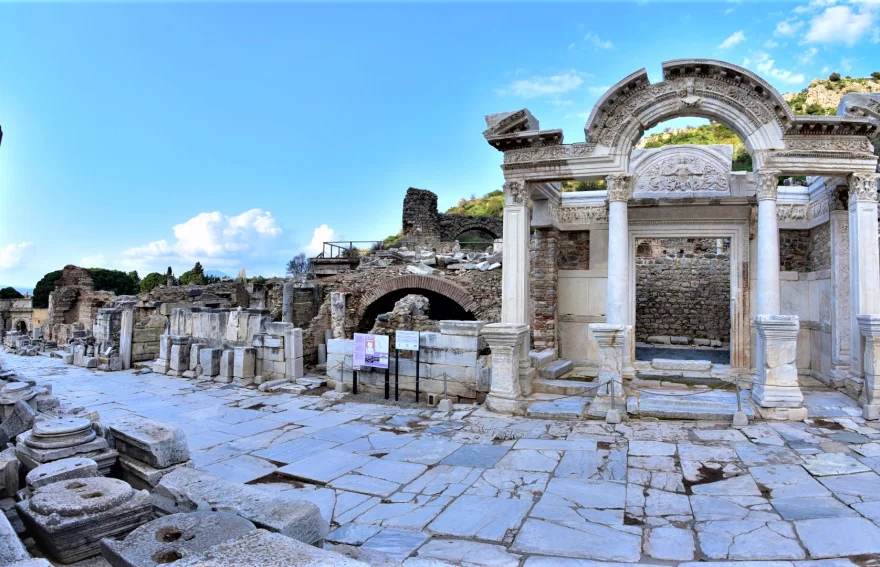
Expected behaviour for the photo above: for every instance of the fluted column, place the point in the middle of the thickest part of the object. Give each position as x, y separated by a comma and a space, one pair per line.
768, 296
864, 255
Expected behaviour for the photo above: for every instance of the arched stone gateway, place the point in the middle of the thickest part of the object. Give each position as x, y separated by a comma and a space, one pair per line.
21, 327
588, 314
418, 284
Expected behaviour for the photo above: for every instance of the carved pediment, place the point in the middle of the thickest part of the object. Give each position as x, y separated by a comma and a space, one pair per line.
682, 171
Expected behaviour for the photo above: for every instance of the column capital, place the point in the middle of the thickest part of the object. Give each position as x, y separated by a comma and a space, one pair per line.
767, 184
515, 192
863, 187
618, 186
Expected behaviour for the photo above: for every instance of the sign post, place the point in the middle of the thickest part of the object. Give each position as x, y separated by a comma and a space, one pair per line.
370, 351
407, 340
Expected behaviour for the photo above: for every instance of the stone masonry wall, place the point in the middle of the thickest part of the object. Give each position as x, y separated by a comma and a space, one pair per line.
819, 256
794, 247
573, 250
682, 289
544, 279
424, 224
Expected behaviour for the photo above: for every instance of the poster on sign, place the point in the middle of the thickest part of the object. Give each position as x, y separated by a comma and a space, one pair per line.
370, 350
406, 340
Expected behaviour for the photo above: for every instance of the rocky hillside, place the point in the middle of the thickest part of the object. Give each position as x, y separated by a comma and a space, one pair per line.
822, 96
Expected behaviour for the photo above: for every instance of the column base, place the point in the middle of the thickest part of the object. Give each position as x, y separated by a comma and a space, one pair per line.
782, 414
854, 386
871, 413
770, 396
526, 375
498, 404
838, 375
775, 384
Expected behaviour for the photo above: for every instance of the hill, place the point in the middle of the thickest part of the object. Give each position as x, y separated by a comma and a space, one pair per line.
822, 96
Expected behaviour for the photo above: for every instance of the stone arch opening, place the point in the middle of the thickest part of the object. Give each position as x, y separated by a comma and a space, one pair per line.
448, 300
21, 327
475, 238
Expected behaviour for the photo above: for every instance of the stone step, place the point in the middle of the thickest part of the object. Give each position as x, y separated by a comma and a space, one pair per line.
562, 409
556, 369
689, 378
542, 358
311, 382
564, 387
684, 365
713, 406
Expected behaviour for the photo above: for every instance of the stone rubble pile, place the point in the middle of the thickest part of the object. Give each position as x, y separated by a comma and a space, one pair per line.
425, 262
148, 449
69, 518
63, 437
70, 468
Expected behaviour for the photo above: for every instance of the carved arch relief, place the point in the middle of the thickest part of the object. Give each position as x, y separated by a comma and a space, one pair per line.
682, 171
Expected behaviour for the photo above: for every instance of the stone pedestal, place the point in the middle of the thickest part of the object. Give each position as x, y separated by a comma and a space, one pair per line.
506, 341
179, 355
227, 365
870, 396
209, 359
775, 388
610, 394
162, 364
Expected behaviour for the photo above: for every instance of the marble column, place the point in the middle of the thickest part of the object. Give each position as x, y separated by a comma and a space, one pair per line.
505, 341
515, 290
126, 334
840, 315
768, 295
864, 257
617, 308
288, 292
337, 314
610, 394
870, 396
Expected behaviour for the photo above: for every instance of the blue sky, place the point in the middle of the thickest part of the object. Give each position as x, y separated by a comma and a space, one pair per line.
138, 136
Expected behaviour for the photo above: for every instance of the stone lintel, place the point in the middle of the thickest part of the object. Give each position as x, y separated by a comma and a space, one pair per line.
777, 327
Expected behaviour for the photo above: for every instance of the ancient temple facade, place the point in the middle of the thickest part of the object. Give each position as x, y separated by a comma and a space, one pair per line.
820, 318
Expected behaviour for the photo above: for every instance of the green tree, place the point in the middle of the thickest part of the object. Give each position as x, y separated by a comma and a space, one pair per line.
153, 279
134, 276
299, 267
876, 75
196, 276
834, 77
44, 287
257, 280
10, 293
116, 281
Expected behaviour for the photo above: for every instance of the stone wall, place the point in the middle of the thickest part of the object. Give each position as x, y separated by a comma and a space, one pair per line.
682, 289
424, 224
794, 248
544, 280
14, 312
573, 250
819, 256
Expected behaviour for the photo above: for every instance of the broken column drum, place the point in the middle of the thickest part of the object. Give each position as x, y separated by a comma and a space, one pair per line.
60, 438
69, 518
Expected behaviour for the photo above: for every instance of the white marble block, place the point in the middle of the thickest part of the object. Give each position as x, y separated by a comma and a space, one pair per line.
244, 362
505, 340
227, 364
179, 361
775, 384
870, 396
209, 358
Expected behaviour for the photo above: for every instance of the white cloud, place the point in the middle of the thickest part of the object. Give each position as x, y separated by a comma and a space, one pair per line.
595, 41
808, 55
728, 11
735, 38
96, 261
770, 44
544, 86
12, 255
840, 24
767, 66
788, 28
321, 235
223, 240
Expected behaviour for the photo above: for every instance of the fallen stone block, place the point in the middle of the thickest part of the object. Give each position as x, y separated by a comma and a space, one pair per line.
659, 340
244, 362
67, 358
685, 365
69, 518
175, 537
260, 548
679, 340
153, 442
90, 362
20, 420
9, 473
702, 342
60, 438
62, 469
11, 548
184, 489
115, 364
142, 476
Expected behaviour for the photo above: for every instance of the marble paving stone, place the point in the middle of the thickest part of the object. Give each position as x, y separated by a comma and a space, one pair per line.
353, 534
530, 460
350, 505
444, 480
580, 464
424, 451
868, 449
694, 452
365, 484
748, 540
651, 448
839, 537
323, 498
743, 485
295, 450
661, 503
870, 510
325, 466
852, 488
589, 541
344, 433
396, 544
381, 442
752, 508
471, 553
243, 468
481, 456
585, 494
394, 471
481, 517
505, 483
719, 435
670, 543
556, 444
827, 464
815, 507
326, 419
786, 481
754, 455
412, 515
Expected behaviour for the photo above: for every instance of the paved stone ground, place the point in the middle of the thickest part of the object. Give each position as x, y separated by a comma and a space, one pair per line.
476, 489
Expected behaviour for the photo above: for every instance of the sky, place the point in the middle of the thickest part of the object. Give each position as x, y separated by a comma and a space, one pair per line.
142, 136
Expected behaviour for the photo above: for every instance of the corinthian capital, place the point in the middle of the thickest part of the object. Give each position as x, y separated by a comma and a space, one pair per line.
863, 187
618, 186
515, 192
767, 183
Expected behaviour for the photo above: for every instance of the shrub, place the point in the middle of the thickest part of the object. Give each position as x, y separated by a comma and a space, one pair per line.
153, 279
10, 293
834, 77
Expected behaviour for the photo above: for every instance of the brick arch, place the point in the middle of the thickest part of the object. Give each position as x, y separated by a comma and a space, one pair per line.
490, 225
453, 291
